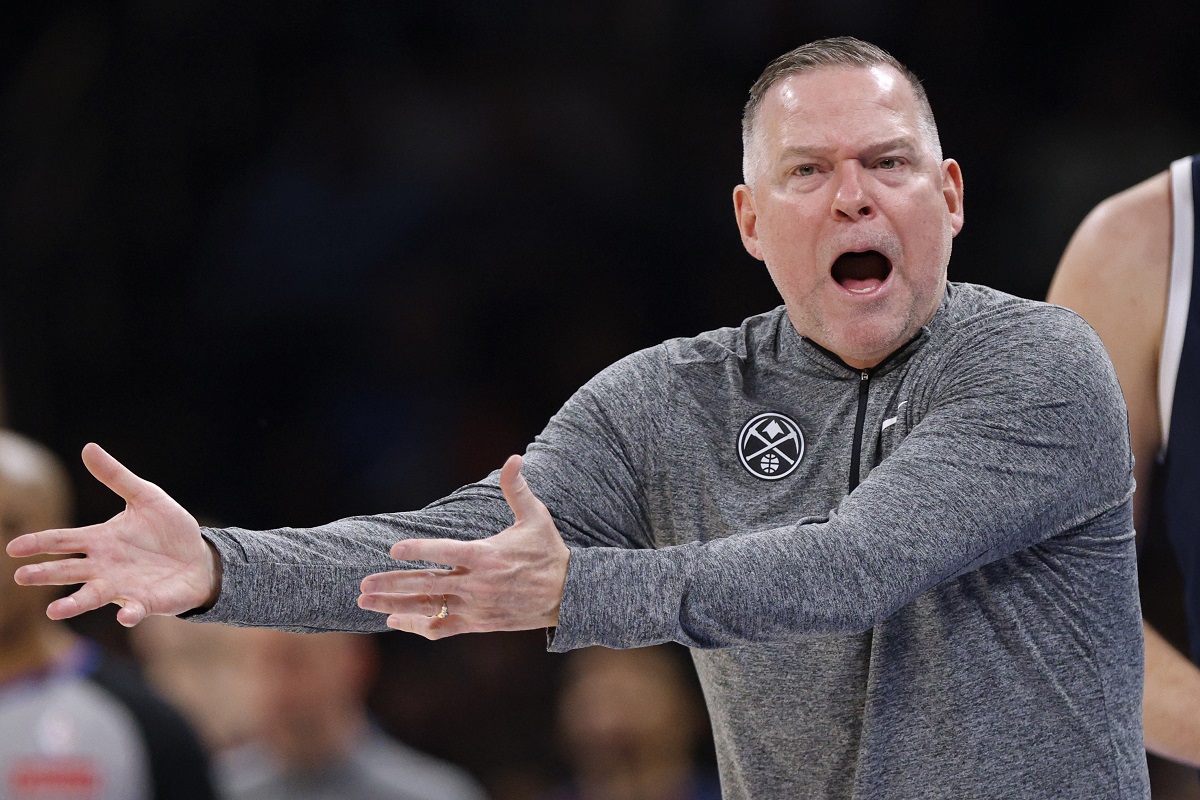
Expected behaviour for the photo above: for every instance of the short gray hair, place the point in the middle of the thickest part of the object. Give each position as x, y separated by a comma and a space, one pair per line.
840, 51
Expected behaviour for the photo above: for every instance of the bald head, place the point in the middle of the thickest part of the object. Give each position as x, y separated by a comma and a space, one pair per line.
35, 494
35, 490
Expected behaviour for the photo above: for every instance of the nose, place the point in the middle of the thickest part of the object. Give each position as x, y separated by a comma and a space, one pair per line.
851, 201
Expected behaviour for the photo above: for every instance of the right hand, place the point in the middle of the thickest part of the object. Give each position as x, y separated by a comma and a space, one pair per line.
148, 559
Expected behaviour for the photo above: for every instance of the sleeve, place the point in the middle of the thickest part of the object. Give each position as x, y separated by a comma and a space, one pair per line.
589, 466
1024, 438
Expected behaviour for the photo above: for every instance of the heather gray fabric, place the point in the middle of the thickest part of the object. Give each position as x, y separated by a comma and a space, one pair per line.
965, 623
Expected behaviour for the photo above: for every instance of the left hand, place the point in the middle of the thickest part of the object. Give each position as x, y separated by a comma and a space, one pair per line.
508, 582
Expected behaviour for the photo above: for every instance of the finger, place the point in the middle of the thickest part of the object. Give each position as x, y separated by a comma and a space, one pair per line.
55, 573
520, 497
132, 613
112, 473
56, 542
91, 596
431, 627
436, 551
412, 581
422, 605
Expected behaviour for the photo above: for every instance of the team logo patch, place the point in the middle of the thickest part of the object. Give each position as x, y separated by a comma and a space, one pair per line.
770, 446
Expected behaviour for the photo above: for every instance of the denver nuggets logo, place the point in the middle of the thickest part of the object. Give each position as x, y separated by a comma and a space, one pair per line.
770, 446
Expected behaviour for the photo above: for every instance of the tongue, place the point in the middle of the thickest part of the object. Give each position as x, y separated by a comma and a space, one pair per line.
861, 272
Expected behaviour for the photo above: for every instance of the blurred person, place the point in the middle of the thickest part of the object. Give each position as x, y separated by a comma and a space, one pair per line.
631, 727
74, 722
1130, 271
200, 669
891, 517
312, 735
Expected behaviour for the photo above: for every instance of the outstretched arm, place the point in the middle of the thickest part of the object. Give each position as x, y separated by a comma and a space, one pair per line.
148, 559
152, 559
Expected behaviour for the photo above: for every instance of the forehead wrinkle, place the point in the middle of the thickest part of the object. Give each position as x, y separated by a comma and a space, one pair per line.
818, 130
840, 116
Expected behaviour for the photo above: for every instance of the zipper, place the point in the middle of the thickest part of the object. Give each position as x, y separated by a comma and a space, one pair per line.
863, 384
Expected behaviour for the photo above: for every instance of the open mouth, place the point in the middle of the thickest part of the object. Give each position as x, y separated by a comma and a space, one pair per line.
861, 273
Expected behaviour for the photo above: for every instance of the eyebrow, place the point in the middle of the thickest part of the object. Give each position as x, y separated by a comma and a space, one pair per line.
812, 151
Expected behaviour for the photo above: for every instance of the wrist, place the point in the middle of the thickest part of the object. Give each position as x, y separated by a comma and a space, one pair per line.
214, 573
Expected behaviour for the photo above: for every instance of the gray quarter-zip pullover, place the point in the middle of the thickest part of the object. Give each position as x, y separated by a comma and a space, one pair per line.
915, 581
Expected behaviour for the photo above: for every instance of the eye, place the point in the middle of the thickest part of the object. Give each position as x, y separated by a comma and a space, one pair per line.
805, 170
888, 163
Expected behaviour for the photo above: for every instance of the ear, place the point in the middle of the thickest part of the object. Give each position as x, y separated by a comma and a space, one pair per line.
952, 190
747, 219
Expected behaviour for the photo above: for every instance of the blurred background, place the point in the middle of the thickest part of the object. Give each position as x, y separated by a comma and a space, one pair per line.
297, 261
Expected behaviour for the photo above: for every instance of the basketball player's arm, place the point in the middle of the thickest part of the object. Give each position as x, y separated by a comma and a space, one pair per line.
1115, 273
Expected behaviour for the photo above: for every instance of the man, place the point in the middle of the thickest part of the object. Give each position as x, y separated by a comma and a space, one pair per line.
630, 723
201, 670
892, 518
73, 722
314, 738
1130, 272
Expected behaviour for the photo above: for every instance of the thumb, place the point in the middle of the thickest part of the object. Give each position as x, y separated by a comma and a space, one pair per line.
520, 497
131, 613
112, 473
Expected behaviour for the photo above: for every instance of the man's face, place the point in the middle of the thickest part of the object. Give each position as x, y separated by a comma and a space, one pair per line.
851, 209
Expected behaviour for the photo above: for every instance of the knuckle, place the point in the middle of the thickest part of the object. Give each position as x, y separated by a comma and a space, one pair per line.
429, 582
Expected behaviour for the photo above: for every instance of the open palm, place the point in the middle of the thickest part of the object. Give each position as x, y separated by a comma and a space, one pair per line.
148, 559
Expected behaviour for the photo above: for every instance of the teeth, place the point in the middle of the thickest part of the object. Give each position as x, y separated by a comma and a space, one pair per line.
863, 291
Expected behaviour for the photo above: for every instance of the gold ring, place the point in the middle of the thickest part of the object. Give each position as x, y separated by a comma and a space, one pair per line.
445, 612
